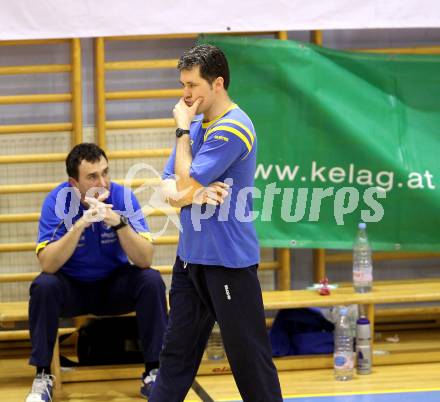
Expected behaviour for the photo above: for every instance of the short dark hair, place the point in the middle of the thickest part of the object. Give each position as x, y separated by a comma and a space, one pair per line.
211, 59
84, 151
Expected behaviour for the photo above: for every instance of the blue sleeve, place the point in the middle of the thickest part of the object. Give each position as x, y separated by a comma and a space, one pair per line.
168, 172
219, 151
50, 227
137, 219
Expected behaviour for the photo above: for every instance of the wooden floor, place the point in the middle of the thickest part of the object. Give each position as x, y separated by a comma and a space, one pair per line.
301, 383
16, 377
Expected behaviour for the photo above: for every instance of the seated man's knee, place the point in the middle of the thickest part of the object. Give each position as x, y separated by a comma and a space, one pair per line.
44, 283
152, 279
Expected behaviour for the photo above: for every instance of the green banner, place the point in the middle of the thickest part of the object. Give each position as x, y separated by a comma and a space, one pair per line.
343, 137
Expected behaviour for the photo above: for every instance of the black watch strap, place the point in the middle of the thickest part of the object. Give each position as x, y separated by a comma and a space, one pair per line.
123, 222
180, 132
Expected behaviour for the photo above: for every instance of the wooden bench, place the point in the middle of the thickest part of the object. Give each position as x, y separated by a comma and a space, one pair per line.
383, 293
12, 313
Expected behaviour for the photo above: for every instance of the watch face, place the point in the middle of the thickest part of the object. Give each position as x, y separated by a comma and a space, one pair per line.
124, 220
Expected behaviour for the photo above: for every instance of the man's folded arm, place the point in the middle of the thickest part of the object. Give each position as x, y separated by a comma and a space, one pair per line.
54, 255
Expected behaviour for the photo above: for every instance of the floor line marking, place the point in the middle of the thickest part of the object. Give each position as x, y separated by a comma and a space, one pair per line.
413, 390
402, 391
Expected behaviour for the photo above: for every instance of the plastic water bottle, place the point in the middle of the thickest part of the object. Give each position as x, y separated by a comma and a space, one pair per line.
362, 262
214, 349
343, 353
363, 346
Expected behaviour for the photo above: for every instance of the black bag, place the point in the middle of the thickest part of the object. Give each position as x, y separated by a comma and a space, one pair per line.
301, 331
112, 340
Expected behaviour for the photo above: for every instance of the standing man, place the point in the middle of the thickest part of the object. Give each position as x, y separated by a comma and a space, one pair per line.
215, 273
95, 252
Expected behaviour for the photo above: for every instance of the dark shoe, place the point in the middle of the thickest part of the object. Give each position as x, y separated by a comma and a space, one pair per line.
147, 383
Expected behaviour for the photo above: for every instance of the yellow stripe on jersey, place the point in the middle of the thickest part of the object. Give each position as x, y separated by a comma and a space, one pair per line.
41, 245
241, 125
146, 235
232, 130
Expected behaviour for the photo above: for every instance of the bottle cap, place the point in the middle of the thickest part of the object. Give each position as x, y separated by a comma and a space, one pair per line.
343, 311
362, 225
363, 321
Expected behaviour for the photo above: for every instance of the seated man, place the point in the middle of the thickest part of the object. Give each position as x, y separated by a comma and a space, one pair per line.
95, 253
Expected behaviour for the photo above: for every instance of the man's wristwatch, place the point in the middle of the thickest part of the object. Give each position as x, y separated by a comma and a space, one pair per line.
180, 132
123, 222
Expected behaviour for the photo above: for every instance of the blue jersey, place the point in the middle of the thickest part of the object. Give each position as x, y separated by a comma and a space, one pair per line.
98, 251
223, 150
